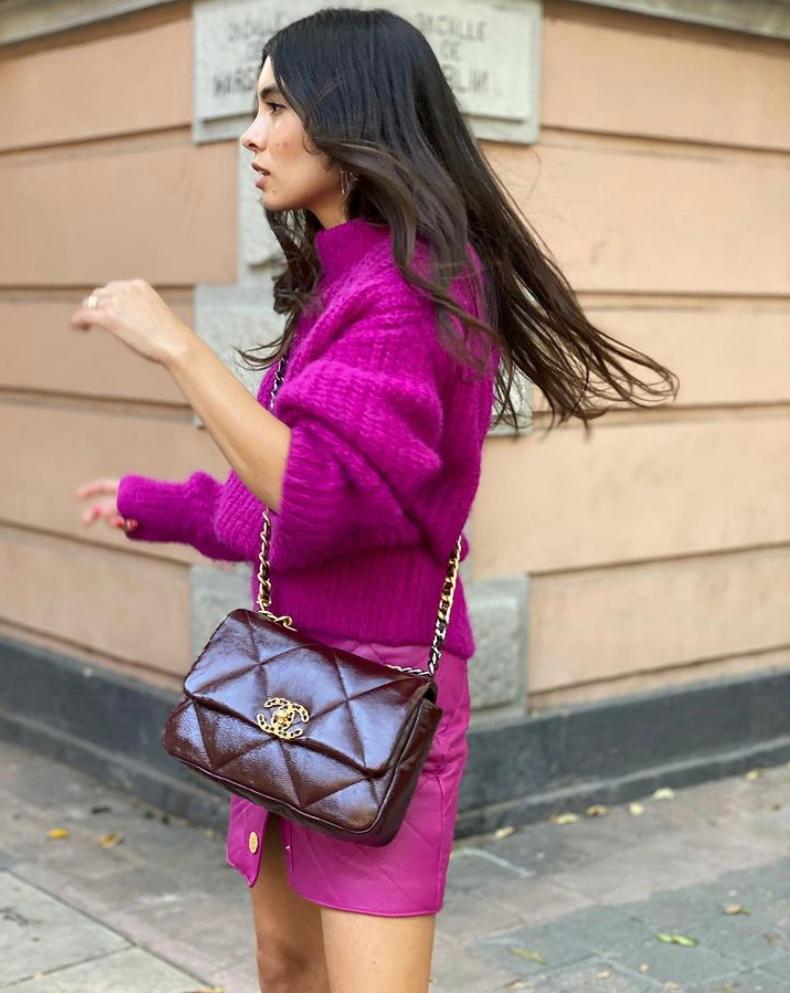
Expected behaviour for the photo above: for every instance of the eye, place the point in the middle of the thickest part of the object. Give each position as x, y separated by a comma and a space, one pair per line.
279, 106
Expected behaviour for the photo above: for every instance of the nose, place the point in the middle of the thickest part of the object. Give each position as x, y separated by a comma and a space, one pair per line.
253, 137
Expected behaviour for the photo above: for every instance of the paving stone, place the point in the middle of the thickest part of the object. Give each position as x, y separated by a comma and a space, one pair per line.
723, 848
473, 867
599, 976
462, 918
40, 933
745, 982
169, 927
511, 949
755, 886
589, 896
637, 873
457, 969
677, 910
605, 930
534, 901
677, 963
131, 971
778, 968
545, 848
760, 936
773, 879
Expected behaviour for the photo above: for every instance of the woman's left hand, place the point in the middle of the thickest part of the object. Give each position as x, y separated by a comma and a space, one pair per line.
133, 311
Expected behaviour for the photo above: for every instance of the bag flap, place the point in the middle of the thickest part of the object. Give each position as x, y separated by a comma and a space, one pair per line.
250, 660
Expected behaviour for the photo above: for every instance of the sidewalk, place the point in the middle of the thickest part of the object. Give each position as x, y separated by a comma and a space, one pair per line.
549, 908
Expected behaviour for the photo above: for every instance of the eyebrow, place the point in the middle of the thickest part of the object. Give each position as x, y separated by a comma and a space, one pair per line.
267, 91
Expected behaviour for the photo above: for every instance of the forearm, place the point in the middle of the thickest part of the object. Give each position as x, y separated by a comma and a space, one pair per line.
253, 440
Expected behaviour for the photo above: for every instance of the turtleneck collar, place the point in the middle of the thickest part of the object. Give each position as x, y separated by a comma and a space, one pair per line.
340, 247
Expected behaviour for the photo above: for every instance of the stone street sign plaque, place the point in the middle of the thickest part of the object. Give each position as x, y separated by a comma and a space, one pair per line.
488, 51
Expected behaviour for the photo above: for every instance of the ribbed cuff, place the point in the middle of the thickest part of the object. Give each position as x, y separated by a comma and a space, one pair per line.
161, 508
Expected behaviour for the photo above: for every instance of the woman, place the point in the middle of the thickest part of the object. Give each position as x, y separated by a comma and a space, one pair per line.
412, 292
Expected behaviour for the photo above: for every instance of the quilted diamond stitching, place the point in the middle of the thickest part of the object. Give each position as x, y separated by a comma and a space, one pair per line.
246, 751
284, 750
339, 789
345, 697
198, 721
350, 710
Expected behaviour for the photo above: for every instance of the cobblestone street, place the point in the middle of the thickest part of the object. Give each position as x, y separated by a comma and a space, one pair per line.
692, 894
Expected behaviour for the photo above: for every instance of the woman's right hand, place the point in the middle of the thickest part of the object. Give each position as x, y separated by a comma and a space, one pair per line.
103, 505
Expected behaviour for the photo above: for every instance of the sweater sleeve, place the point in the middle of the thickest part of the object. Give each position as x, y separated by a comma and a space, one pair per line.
366, 419
175, 511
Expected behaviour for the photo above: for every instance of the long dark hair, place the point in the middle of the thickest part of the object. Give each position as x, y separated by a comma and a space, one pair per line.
372, 95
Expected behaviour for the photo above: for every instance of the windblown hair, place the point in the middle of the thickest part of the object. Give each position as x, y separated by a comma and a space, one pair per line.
372, 96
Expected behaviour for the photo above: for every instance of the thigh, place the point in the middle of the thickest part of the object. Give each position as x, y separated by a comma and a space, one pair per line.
377, 954
288, 927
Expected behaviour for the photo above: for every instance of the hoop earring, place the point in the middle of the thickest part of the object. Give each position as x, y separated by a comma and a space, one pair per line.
347, 180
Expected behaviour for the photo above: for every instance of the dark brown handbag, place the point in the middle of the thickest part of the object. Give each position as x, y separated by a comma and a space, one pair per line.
319, 735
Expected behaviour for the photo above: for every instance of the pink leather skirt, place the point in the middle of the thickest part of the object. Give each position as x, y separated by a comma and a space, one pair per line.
406, 876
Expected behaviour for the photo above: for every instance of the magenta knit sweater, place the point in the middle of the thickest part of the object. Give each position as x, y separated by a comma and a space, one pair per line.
384, 462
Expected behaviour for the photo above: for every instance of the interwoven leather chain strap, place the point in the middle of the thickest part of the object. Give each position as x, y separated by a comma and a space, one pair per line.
319, 735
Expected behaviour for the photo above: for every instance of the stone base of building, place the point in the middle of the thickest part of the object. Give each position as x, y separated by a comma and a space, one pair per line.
519, 770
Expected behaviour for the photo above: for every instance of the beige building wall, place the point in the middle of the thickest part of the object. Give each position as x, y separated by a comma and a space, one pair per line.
658, 551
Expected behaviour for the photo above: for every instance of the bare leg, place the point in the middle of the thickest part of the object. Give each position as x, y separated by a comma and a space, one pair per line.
288, 928
377, 954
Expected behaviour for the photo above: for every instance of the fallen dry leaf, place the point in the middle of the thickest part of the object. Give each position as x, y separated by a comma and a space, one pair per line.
531, 954
567, 818
109, 840
596, 810
604, 973
670, 985
644, 967
636, 808
676, 939
753, 774
58, 833
664, 793
736, 908
503, 832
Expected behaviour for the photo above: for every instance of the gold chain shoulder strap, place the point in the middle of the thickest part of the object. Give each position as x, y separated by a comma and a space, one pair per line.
265, 586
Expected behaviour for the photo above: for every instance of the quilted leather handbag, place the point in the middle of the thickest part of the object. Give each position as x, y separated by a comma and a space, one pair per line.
319, 735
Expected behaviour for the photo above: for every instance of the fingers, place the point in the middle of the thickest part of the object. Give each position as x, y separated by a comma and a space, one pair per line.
90, 514
99, 510
106, 484
106, 509
110, 515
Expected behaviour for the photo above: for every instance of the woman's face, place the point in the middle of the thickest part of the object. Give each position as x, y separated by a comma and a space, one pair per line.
298, 179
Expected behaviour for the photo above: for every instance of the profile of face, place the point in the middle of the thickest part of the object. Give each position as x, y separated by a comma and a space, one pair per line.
300, 177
